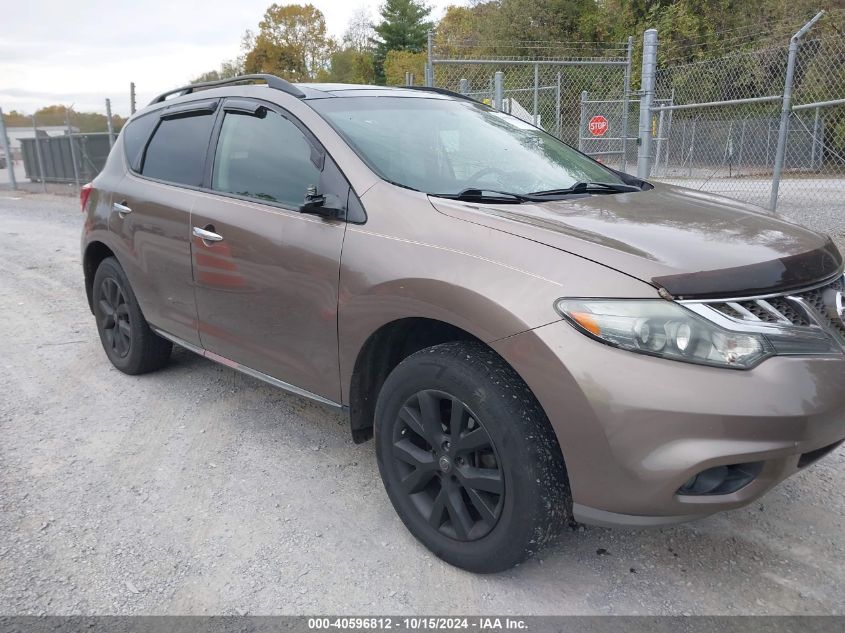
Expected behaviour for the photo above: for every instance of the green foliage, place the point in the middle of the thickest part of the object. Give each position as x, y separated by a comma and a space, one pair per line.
352, 67
403, 27
397, 63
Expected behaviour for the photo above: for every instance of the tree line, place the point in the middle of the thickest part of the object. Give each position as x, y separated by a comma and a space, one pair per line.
292, 41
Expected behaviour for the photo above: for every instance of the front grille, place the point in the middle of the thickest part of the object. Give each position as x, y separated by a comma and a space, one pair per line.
807, 308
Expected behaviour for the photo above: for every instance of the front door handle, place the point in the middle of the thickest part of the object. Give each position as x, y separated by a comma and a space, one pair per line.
206, 235
121, 208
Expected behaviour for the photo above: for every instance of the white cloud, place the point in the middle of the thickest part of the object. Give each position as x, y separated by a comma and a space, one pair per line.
59, 52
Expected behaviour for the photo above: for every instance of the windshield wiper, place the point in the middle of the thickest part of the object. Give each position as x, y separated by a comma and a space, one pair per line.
472, 194
589, 187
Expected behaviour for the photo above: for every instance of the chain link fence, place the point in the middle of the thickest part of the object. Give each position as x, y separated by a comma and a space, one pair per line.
36, 153
765, 126
547, 84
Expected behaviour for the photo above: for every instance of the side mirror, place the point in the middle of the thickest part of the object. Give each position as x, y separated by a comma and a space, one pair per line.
319, 204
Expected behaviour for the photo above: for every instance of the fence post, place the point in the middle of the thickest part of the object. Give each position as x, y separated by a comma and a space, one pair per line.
463, 86
659, 141
498, 89
626, 103
41, 173
10, 163
72, 149
786, 109
582, 123
557, 108
536, 92
132, 97
429, 64
109, 123
647, 95
816, 130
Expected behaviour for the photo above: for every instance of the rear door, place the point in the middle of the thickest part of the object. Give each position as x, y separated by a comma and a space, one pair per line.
267, 280
166, 151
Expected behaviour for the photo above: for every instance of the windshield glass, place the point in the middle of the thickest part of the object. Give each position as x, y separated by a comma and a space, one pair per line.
445, 146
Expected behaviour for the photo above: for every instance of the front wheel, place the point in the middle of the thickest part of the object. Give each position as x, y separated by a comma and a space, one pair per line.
469, 459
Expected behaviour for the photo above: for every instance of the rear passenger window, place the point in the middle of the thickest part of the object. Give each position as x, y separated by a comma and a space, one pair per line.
135, 137
176, 152
265, 157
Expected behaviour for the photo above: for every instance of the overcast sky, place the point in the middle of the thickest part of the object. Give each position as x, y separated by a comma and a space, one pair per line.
56, 51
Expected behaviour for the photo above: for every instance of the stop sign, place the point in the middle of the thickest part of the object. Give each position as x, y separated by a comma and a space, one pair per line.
598, 125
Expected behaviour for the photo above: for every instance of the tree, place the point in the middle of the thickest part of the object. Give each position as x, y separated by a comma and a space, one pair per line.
397, 63
350, 66
403, 27
291, 42
359, 31
228, 69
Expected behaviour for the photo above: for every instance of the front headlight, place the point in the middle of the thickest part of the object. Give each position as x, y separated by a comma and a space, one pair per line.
664, 328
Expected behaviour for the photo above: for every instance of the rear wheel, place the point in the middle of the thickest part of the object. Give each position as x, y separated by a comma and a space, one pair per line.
469, 459
127, 339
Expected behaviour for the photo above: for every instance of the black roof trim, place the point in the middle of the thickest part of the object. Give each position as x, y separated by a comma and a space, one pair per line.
277, 83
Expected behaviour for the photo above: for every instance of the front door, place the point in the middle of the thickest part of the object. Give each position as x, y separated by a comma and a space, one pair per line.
266, 275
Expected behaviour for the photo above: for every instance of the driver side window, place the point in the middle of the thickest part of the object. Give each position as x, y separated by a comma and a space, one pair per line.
266, 157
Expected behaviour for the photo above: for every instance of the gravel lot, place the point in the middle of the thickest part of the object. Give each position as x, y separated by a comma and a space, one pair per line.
200, 490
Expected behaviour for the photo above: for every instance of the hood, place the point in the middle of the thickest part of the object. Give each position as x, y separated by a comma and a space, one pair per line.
689, 243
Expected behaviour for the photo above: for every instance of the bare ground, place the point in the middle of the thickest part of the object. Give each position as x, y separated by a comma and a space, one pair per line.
199, 490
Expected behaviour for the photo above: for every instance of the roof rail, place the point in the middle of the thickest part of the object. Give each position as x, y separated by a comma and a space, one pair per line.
272, 81
442, 91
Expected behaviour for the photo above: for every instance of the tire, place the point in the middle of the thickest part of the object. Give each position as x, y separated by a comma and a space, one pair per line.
485, 488
127, 339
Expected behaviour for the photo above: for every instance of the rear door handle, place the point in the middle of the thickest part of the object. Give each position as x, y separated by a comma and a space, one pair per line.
121, 208
207, 236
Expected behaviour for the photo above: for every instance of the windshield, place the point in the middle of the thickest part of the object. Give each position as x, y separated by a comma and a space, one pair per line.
446, 146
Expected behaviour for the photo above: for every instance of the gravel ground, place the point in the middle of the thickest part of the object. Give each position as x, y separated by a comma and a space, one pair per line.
199, 490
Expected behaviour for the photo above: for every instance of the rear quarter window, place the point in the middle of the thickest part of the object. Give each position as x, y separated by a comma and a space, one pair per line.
176, 153
135, 137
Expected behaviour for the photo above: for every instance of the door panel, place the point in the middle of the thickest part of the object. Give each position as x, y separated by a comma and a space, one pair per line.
155, 252
267, 292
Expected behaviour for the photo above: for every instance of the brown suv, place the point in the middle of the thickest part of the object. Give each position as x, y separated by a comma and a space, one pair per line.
531, 336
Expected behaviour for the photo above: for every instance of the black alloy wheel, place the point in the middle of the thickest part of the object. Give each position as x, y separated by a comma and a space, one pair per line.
448, 465
127, 338
114, 311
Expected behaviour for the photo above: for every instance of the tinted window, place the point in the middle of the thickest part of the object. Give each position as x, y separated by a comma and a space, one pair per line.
135, 136
265, 157
176, 152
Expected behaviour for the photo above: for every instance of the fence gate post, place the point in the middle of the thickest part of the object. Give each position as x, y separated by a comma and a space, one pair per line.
41, 173
536, 92
109, 123
429, 67
786, 109
815, 149
626, 103
498, 89
557, 108
72, 149
647, 95
582, 123
10, 164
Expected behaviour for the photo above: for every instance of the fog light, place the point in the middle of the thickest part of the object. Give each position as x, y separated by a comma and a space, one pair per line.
721, 480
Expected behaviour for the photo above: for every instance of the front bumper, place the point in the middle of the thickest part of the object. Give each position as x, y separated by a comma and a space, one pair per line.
634, 429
